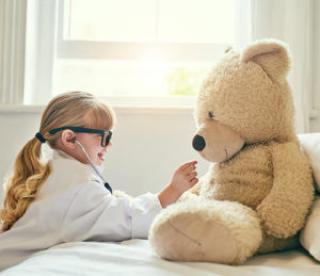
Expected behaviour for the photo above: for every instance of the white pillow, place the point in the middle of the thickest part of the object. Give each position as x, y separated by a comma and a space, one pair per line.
310, 142
310, 235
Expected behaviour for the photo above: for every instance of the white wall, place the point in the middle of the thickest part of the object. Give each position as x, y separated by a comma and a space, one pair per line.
315, 124
147, 146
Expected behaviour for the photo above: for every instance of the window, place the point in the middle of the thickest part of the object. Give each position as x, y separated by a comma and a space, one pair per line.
138, 49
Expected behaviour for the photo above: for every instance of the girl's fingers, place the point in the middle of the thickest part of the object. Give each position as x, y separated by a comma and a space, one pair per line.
192, 175
189, 168
188, 165
190, 171
194, 181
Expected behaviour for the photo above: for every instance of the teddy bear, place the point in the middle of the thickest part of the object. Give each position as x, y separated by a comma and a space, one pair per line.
258, 189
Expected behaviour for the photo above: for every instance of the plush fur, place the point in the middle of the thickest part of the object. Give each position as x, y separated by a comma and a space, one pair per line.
259, 189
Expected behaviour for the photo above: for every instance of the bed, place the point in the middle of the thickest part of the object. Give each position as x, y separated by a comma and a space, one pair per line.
136, 257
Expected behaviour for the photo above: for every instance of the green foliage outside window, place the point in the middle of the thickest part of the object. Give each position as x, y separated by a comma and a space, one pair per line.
185, 81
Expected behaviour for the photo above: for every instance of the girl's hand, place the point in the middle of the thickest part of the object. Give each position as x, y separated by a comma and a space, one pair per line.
184, 178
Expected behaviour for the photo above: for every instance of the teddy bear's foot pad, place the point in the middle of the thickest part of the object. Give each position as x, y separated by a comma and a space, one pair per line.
205, 231
213, 243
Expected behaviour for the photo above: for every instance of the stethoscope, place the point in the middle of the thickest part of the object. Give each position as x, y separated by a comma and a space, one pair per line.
106, 184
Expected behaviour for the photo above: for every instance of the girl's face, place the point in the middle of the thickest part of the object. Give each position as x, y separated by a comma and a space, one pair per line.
90, 142
76, 140
92, 145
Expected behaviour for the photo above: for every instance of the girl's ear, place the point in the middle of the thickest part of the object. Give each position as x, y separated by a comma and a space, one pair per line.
68, 138
272, 56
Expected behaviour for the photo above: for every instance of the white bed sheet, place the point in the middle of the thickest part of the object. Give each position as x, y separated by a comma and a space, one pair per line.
135, 257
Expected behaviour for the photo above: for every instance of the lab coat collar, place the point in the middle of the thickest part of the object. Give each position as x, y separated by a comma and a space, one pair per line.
61, 156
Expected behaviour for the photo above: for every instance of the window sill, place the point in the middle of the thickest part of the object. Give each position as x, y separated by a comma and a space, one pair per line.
124, 105
119, 109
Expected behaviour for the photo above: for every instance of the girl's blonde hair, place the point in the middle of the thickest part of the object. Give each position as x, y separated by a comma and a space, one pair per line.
68, 109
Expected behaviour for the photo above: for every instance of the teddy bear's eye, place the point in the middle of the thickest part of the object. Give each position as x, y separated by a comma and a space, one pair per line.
210, 114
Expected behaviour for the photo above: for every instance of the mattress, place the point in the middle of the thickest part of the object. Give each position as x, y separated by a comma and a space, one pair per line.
136, 257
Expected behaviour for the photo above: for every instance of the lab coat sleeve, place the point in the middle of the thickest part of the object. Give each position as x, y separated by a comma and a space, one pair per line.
94, 214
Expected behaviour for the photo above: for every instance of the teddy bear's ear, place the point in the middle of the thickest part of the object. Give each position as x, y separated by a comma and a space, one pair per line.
271, 55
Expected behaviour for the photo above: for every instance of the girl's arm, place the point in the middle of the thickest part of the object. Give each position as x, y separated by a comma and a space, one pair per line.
184, 178
94, 214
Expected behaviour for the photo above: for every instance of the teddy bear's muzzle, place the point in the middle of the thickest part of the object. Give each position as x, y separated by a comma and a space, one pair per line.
198, 143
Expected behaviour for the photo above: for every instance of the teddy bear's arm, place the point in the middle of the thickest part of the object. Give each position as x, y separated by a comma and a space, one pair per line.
284, 210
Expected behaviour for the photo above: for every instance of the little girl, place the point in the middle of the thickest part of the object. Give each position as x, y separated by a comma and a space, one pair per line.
66, 199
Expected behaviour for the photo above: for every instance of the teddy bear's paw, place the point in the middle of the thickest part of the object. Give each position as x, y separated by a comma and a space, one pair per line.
118, 193
187, 196
200, 230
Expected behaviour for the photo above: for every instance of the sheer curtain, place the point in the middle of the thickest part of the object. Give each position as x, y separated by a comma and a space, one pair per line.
292, 21
12, 50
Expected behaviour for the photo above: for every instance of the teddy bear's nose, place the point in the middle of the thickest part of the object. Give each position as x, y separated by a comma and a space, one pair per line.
198, 143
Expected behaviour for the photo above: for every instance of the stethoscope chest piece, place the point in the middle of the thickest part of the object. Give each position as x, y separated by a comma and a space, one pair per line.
108, 187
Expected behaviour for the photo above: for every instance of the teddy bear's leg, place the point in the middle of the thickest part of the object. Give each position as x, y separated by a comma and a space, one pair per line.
206, 230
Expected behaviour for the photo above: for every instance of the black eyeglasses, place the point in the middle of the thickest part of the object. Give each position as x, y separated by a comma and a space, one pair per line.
105, 134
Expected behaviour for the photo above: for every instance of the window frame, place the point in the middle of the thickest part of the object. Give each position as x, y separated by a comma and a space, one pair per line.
51, 33
129, 50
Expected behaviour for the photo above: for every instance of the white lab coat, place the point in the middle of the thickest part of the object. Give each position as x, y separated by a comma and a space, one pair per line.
74, 205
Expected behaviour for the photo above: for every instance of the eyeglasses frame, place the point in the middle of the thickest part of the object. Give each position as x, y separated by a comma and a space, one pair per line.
105, 134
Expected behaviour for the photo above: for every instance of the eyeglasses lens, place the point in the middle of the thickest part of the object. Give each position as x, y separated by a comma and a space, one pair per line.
105, 139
